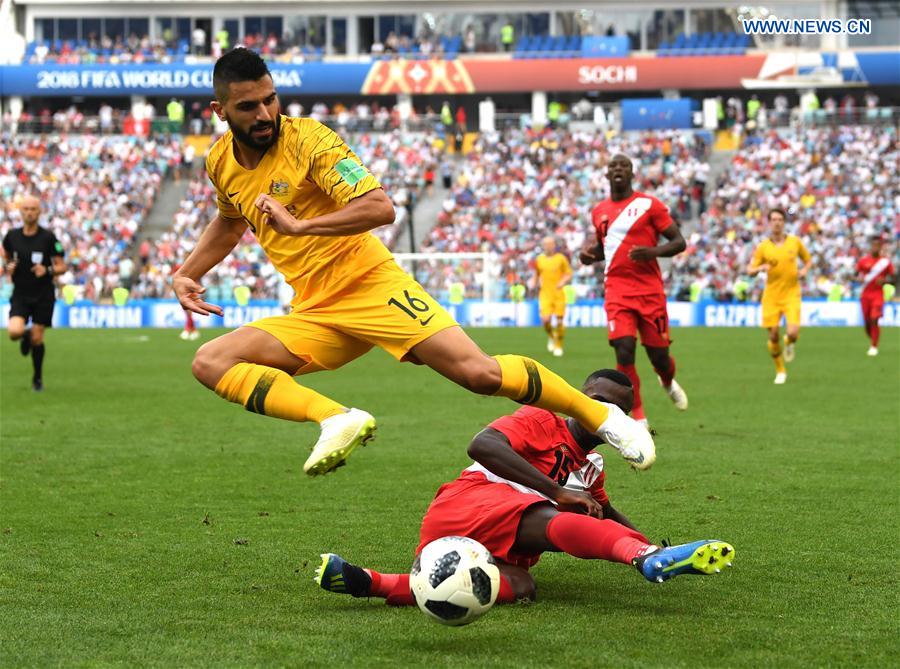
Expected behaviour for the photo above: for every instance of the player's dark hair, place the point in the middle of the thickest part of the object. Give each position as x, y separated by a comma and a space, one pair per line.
613, 375
776, 210
237, 65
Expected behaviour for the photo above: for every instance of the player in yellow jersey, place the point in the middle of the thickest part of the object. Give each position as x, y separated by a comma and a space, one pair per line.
778, 256
553, 272
311, 204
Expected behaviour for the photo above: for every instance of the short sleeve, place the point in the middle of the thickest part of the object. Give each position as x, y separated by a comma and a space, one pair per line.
596, 217
56, 247
598, 490
660, 218
802, 252
226, 208
7, 246
335, 169
525, 433
758, 256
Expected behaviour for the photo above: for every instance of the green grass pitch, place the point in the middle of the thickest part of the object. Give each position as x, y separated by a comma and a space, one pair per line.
146, 522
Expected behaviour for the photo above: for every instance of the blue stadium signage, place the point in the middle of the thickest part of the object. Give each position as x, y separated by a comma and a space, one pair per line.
169, 79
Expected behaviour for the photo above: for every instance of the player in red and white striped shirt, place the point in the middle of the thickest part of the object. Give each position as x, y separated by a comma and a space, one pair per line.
628, 226
875, 271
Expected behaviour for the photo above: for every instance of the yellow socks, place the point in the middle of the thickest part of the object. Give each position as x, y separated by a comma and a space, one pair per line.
271, 392
775, 352
560, 333
528, 382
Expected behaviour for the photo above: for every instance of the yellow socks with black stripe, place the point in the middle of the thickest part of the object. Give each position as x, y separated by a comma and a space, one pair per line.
560, 333
549, 329
528, 382
271, 392
775, 352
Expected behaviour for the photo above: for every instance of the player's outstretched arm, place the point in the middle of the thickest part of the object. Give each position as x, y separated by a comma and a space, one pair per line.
216, 242
492, 449
367, 212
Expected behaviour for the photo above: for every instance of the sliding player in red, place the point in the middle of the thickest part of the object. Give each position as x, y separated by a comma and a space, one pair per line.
536, 486
628, 226
874, 271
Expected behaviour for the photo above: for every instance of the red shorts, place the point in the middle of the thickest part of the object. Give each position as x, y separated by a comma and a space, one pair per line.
626, 316
872, 306
471, 506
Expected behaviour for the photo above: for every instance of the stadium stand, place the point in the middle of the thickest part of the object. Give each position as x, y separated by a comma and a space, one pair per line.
517, 187
839, 185
95, 192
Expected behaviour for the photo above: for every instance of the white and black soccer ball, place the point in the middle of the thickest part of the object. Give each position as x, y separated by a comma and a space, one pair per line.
455, 580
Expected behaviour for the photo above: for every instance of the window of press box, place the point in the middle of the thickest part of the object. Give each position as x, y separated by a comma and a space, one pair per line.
304, 31
67, 29
713, 21
664, 26
139, 27
400, 25
91, 29
609, 23
339, 35
45, 30
114, 28
264, 26
173, 28
485, 28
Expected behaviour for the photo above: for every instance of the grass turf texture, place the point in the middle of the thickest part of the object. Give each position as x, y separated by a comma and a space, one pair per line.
146, 522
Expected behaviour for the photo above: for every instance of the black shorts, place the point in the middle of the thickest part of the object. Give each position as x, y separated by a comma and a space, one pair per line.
38, 308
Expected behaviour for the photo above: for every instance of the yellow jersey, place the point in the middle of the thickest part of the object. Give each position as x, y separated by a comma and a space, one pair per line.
551, 269
781, 261
311, 171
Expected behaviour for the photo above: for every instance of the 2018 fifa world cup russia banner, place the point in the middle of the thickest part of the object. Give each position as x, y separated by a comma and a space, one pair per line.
170, 79
470, 313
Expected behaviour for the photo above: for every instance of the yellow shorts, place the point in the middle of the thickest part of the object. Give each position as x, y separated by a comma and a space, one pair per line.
386, 307
552, 304
772, 309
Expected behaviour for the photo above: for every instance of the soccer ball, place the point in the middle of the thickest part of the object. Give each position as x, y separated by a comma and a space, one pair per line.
455, 580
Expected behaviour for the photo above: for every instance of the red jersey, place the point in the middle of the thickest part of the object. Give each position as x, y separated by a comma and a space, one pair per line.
874, 271
542, 438
621, 225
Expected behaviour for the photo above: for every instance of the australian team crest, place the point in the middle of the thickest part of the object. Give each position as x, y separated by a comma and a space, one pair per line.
277, 187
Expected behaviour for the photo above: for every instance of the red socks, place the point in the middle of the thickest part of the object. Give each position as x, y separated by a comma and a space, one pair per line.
595, 539
875, 333
394, 588
666, 376
637, 411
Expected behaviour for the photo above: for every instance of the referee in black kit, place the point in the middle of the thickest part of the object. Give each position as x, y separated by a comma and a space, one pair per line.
32, 256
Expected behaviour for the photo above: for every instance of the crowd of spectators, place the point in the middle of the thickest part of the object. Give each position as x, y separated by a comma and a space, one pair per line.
515, 187
94, 192
840, 186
